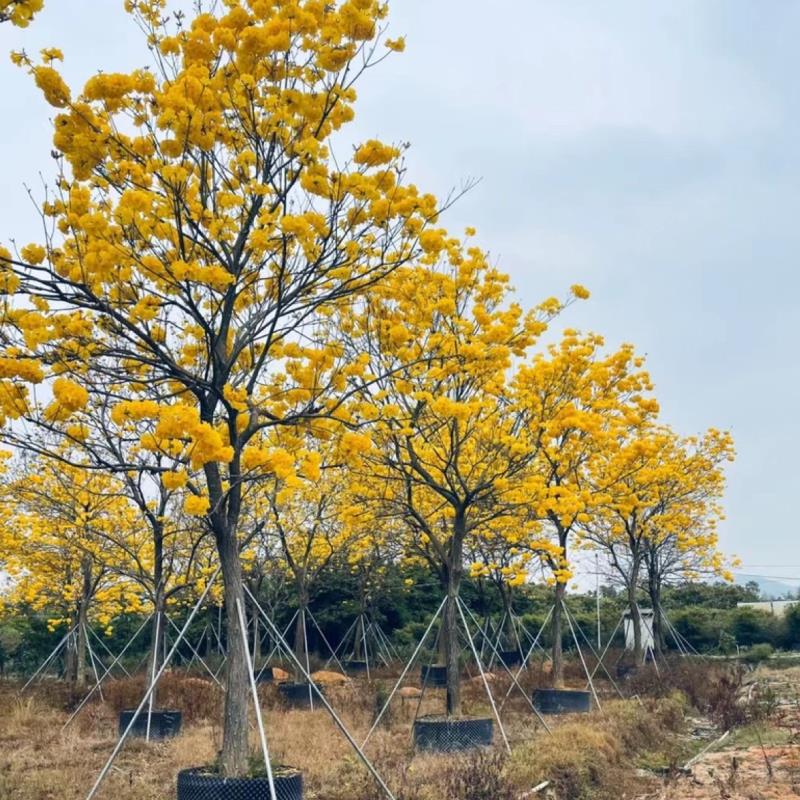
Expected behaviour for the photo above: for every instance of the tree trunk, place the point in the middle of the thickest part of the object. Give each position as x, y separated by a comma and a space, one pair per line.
636, 623
300, 631
83, 616
558, 611
509, 634
452, 651
80, 649
156, 639
158, 635
556, 628
358, 649
70, 659
256, 648
235, 750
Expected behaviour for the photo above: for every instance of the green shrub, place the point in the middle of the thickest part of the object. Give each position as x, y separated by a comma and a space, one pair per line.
727, 643
757, 653
753, 626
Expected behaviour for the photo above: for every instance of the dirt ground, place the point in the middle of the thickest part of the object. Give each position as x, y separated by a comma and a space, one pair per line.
631, 750
758, 762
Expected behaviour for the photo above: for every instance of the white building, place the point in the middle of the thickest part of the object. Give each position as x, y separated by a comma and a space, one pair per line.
646, 615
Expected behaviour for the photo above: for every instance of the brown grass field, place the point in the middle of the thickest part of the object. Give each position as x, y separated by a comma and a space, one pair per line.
629, 750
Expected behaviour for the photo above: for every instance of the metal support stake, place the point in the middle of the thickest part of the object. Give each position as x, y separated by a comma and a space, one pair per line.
343, 640
483, 675
608, 644
651, 648
390, 649
580, 653
277, 646
156, 646
308, 663
99, 639
195, 650
406, 668
498, 639
93, 662
148, 693
49, 658
679, 637
592, 651
514, 681
108, 670
327, 644
195, 654
256, 704
528, 654
380, 648
515, 623
364, 643
339, 724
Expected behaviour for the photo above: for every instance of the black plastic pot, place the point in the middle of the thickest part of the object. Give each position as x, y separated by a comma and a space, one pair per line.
266, 676
163, 723
433, 675
296, 695
199, 784
449, 734
625, 670
355, 666
511, 658
562, 701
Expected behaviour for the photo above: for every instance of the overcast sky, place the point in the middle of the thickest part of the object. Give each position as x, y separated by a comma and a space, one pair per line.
650, 151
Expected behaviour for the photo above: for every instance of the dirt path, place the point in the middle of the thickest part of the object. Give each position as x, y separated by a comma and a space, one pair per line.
742, 774
765, 769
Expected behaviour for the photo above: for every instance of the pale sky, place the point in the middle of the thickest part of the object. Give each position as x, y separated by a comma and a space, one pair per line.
650, 151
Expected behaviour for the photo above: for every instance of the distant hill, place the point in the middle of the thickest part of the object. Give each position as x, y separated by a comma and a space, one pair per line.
770, 588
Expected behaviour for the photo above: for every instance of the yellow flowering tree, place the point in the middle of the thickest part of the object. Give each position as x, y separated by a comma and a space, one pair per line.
502, 553
657, 488
304, 513
199, 228
452, 450
161, 549
580, 401
682, 552
55, 521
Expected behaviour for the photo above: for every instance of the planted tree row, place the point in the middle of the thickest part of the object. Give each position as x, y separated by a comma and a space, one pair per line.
240, 342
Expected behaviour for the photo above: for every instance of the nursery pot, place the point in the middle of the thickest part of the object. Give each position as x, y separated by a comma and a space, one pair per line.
511, 658
163, 723
451, 734
433, 675
296, 695
266, 675
355, 666
201, 783
626, 670
562, 701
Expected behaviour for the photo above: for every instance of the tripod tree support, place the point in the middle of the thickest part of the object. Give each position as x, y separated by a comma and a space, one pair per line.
406, 668
483, 675
53, 653
196, 655
261, 733
105, 674
337, 720
514, 682
149, 692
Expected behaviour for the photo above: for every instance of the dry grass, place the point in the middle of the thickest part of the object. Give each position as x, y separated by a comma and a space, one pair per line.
40, 762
